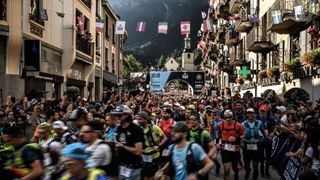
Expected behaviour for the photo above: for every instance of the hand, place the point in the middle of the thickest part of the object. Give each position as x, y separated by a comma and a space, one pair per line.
289, 154
192, 177
119, 145
158, 175
232, 139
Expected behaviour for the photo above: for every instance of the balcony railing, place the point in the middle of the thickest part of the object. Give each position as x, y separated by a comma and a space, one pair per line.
234, 6
289, 25
87, 3
83, 45
3, 10
258, 41
237, 57
244, 24
232, 38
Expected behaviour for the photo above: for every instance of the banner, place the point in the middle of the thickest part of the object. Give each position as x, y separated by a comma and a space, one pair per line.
99, 25
141, 26
81, 22
120, 27
163, 28
290, 167
185, 27
159, 80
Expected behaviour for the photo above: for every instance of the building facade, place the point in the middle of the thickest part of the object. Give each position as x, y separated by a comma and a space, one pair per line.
47, 49
264, 46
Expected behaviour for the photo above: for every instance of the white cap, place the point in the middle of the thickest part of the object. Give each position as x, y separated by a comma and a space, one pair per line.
183, 108
167, 104
177, 104
250, 110
59, 125
228, 113
281, 108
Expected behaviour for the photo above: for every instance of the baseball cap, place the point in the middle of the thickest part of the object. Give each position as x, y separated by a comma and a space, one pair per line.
121, 109
191, 106
177, 104
263, 108
44, 127
228, 113
208, 107
77, 113
250, 110
201, 106
143, 115
281, 108
182, 108
179, 127
75, 150
2, 114
59, 125
216, 111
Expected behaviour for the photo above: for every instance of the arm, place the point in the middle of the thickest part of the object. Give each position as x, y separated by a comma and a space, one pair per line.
213, 150
208, 165
136, 150
36, 170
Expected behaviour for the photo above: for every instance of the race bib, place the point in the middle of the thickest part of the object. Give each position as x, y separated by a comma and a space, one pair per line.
124, 171
252, 147
147, 158
47, 159
165, 152
230, 147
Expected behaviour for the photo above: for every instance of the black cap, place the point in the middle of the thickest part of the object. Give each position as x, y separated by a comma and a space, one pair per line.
121, 109
143, 115
179, 127
2, 114
77, 113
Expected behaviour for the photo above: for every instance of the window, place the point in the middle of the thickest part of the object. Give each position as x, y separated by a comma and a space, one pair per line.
113, 33
87, 3
35, 11
189, 56
106, 27
106, 59
171, 61
3, 9
113, 64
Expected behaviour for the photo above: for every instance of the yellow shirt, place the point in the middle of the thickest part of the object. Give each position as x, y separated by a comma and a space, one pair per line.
157, 133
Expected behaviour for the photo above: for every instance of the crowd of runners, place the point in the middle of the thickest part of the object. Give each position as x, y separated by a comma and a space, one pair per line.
149, 136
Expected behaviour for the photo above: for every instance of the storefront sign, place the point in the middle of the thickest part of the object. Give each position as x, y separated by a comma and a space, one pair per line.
269, 82
247, 86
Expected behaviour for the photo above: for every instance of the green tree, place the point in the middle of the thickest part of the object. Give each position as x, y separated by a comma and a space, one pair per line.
131, 64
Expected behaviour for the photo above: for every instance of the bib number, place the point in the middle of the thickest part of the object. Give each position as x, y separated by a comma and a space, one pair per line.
147, 158
124, 171
230, 147
165, 153
252, 147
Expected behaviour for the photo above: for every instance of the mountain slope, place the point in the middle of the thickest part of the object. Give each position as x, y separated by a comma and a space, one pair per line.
150, 45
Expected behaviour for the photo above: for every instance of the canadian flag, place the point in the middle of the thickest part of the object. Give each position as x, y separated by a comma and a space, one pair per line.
185, 27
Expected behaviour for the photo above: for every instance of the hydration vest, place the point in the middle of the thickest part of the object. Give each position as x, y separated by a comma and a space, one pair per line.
93, 174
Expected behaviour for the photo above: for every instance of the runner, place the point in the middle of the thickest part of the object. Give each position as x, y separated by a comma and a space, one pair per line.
129, 141
202, 137
252, 150
74, 159
230, 133
154, 139
187, 160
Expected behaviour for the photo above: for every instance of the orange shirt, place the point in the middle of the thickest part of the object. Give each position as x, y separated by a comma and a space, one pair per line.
229, 130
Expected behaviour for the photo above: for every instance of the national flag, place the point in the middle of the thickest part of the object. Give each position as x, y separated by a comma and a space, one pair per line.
277, 16
213, 3
81, 21
203, 15
207, 25
120, 27
163, 28
185, 27
312, 7
43, 14
298, 12
141, 26
99, 25
254, 18
202, 27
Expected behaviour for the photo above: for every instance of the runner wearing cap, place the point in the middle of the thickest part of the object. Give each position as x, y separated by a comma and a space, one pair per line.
63, 135
187, 160
77, 119
74, 160
129, 141
230, 133
252, 150
214, 133
154, 139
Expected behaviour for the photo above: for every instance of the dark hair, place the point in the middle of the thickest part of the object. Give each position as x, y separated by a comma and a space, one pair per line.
96, 125
13, 131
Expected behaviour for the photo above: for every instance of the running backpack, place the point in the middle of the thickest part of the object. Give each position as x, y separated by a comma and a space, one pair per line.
255, 129
112, 168
199, 139
192, 165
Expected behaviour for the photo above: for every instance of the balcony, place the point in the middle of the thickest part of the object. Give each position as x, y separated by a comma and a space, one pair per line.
87, 3
84, 45
232, 38
223, 11
289, 25
3, 10
244, 24
237, 57
234, 6
258, 41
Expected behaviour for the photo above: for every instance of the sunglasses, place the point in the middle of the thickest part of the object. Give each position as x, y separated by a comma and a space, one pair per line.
228, 117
